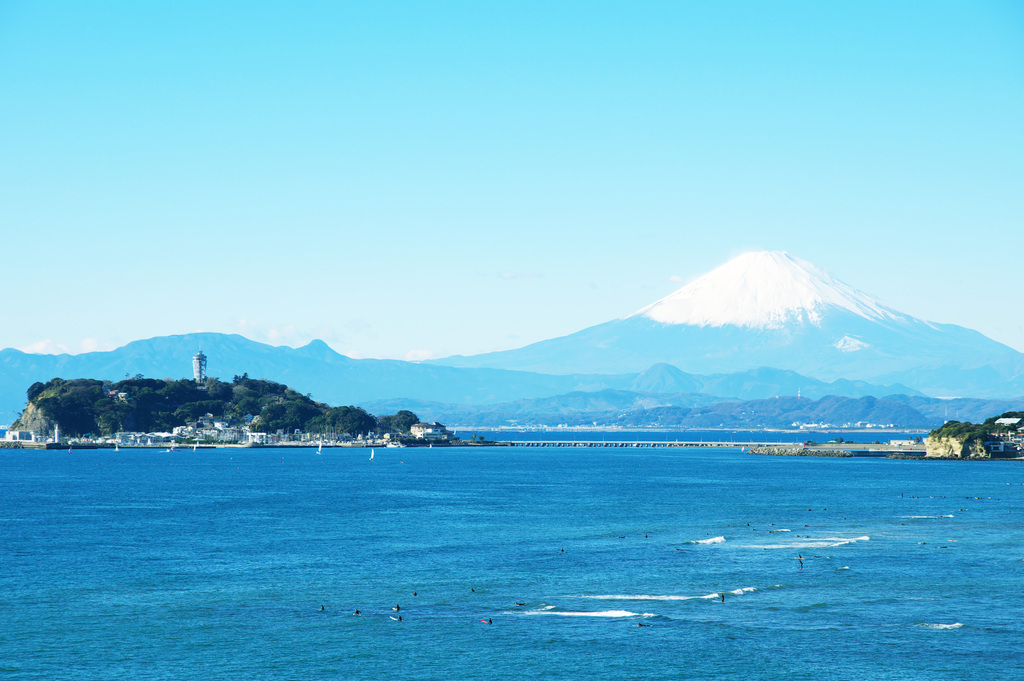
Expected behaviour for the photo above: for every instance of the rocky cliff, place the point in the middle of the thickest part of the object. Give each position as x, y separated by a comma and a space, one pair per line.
955, 448
33, 419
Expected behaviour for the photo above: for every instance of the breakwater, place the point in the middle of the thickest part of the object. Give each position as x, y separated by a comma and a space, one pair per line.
651, 444
800, 451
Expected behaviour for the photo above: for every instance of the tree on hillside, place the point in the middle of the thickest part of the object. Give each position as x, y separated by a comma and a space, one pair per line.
191, 411
34, 390
350, 420
401, 422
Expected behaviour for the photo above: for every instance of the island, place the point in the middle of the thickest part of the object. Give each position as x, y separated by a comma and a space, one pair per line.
146, 412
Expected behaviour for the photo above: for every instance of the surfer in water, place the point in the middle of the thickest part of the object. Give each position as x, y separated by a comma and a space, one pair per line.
321, 607
357, 613
723, 598
396, 608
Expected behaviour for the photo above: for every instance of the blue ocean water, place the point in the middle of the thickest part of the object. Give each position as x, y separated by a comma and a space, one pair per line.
215, 565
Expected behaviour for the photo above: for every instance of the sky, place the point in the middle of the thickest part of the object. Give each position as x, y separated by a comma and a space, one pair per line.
420, 179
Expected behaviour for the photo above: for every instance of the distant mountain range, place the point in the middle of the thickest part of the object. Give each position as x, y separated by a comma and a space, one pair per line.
625, 409
339, 380
764, 325
771, 309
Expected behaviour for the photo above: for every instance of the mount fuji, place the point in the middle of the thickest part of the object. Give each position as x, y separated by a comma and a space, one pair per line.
771, 309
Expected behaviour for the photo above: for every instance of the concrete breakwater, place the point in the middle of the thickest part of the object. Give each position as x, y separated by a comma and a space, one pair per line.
799, 451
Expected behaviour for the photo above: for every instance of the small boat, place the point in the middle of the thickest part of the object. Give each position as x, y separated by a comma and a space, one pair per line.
394, 445
371, 455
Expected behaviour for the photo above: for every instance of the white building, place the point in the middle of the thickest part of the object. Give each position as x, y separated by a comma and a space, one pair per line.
429, 431
21, 436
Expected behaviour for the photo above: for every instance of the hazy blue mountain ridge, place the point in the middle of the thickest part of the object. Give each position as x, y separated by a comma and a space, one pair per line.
941, 359
338, 380
613, 408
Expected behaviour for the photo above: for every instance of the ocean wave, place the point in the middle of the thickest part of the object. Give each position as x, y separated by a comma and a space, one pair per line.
744, 590
585, 613
646, 597
926, 516
929, 625
713, 540
657, 597
815, 543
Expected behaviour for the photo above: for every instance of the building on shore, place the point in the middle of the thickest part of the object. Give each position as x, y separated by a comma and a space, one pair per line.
429, 431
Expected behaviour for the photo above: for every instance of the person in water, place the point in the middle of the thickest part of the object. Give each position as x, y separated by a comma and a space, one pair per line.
723, 598
356, 613
321, 607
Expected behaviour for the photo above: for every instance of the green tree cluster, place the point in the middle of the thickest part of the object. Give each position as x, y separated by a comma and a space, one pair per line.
400, 423
980, 432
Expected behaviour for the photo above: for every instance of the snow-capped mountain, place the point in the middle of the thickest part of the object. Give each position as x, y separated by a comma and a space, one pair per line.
764, 290
771, 309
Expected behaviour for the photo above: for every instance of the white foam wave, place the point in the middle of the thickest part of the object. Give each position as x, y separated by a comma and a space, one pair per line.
822, 543
600, 613
713, 540
928, 625
647, 597
667, 597
926, 516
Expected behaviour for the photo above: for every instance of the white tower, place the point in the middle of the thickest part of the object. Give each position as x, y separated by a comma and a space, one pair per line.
199, 366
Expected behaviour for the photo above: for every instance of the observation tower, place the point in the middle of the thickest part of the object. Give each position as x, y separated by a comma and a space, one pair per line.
199, 366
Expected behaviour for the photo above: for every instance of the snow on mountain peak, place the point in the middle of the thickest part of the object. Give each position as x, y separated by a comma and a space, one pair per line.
763, 290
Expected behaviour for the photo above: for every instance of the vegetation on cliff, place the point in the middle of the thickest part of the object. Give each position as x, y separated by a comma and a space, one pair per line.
969, 433
84, 406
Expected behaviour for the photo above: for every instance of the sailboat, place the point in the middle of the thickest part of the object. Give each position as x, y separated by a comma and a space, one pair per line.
320, 447
371, 455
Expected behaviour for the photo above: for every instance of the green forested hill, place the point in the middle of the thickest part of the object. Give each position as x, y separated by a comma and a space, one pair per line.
970, 432
85, 406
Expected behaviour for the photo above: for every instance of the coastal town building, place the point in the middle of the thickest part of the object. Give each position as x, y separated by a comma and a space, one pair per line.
429, 431
21, 436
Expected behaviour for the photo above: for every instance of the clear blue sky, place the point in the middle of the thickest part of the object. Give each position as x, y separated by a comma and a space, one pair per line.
424, 179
